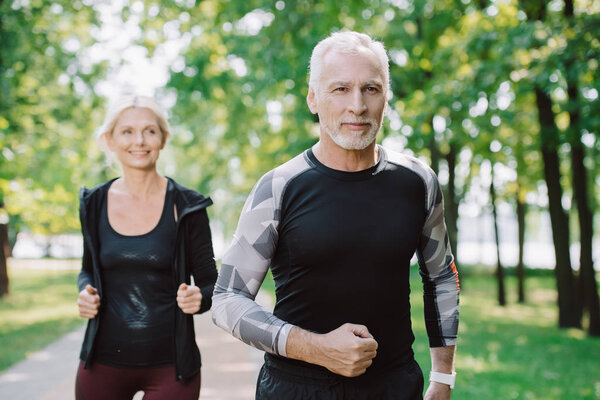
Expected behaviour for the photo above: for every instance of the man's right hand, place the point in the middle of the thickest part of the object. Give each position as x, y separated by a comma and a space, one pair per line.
88, 302
348, 350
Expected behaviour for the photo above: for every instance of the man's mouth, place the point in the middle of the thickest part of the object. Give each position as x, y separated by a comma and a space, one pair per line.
356, 126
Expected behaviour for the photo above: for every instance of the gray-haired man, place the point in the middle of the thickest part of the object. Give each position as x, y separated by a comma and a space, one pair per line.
338, 225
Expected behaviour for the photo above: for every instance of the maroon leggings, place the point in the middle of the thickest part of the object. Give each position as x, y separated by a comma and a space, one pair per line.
106, 382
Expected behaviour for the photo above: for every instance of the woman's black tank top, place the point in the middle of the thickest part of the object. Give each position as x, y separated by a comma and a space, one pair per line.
139, 295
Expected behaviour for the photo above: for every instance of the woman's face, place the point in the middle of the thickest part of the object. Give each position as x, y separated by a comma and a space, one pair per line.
136, 139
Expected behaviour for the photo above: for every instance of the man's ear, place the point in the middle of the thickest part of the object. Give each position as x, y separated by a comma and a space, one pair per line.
311, 100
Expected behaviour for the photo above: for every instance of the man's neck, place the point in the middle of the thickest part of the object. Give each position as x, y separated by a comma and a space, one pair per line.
338, 158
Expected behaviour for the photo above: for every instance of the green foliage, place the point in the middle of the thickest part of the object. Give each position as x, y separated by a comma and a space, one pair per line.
463, 74
514, 352
242, 82
48, 110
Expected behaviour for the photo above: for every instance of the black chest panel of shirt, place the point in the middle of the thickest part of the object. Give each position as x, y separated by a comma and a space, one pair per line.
345, 244
139, 300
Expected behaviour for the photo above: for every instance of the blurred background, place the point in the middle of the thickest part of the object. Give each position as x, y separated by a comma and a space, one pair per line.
500, 97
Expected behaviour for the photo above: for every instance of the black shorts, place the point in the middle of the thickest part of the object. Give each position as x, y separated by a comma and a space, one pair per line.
279, 380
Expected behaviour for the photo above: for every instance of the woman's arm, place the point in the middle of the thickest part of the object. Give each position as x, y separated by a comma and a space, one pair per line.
201, 257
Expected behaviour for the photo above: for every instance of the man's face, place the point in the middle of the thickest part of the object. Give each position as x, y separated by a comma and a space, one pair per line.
351, 98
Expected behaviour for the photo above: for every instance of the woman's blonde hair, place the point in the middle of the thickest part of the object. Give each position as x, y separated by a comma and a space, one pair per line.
124, 103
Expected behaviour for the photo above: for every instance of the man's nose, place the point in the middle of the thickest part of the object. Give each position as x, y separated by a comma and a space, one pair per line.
358, 104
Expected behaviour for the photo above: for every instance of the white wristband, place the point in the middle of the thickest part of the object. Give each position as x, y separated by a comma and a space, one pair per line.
439, 377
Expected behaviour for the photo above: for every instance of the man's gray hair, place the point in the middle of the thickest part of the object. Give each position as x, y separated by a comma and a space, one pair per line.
347, 42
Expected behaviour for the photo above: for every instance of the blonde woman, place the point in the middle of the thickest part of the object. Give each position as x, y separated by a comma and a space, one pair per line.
145, 235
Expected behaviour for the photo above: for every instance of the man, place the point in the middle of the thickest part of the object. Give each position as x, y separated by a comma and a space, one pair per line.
338, 226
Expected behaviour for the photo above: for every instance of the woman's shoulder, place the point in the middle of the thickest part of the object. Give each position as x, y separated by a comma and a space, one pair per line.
86, 193
188, 197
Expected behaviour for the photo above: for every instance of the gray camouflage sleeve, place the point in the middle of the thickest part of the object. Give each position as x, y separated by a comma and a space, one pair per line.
243, 270
438, 272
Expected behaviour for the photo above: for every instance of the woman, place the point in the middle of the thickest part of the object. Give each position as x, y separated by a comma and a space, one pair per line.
144, 236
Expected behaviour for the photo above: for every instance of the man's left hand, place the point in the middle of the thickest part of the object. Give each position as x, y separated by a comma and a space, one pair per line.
189, 298
438, 391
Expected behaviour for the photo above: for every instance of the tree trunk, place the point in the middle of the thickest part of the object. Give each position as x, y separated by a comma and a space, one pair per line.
587, 277
568, 10
499, 269
569, 315
3, 230
521, 212
435, 154
451, 205
3, 257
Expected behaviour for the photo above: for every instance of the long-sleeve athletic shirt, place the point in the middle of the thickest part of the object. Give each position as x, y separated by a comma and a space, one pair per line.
339, 246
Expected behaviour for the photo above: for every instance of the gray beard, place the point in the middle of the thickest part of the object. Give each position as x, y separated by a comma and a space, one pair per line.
353, 142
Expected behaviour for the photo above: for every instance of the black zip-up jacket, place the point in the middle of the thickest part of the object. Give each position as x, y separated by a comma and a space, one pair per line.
193, 256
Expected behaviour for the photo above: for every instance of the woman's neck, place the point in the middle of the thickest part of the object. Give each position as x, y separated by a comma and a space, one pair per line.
141, 184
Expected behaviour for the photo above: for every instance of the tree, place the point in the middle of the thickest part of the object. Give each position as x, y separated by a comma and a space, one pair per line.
47, 110
572, 60
4, 281
250, 59
500, 268
569, 309
465, 78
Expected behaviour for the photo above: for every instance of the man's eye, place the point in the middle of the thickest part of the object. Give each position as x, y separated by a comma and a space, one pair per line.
372, 89
340, 89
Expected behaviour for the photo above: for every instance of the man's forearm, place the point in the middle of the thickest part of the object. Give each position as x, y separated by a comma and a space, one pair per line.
301, 345
245, 319
442, 359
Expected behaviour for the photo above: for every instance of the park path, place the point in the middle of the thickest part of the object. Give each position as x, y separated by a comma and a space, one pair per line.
229, 367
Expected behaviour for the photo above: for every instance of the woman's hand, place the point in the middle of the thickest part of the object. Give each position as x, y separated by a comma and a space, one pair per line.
88, 302
189, 298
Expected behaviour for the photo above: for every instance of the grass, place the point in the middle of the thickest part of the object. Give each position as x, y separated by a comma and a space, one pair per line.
40, 308
515, 352
503, 353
